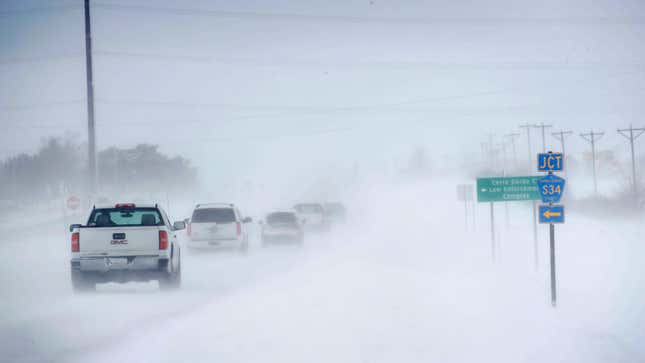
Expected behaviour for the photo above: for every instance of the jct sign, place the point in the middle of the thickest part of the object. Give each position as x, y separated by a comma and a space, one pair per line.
550, 162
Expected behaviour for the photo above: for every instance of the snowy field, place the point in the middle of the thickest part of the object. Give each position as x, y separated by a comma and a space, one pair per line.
403, 282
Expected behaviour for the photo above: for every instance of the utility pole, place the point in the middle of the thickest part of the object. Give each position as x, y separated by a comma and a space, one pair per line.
536, 255
631, 137
543, 127
512, 137
561, 135
592, 137
528, 139
484, 154
502, 146
91, 133
492, 153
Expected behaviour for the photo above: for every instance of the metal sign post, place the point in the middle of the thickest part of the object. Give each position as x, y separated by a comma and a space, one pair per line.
536, 251
551, 189
465, 194
465, 215
505, 189
492, 231
554, 292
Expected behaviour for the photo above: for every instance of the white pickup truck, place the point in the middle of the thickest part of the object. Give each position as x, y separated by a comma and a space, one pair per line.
125, 242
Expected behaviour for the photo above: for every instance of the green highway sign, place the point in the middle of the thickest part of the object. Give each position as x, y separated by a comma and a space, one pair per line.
508, 189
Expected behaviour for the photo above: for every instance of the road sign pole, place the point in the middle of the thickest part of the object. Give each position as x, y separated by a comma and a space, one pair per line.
465, 193
552, 246
474, 205
536, 256
507, 189
466, 214
551, 188
492, 231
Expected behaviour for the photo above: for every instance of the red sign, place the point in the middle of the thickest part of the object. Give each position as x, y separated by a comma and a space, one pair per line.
73, 202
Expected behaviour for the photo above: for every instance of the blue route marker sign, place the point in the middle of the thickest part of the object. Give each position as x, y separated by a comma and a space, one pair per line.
550, 161
551, 188
551, 214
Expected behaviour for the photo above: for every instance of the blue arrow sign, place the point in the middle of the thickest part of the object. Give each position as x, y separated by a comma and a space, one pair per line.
550, 161
551, 188
551, 214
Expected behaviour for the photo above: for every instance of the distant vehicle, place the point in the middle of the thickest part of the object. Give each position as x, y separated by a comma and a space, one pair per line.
218, 225
126, 242
312, 216
335, 212
281, 227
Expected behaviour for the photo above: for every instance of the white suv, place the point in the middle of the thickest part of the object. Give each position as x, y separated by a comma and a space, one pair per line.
217, 225
312, 216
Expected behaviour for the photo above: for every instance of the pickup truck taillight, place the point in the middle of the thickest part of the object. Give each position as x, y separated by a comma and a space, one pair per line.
76, 243
125, 206
239, 228
163, 240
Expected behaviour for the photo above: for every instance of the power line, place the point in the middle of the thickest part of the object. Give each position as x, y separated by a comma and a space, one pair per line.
313, 63
525, 21
40, 58
42, 105
37, 10
310, 108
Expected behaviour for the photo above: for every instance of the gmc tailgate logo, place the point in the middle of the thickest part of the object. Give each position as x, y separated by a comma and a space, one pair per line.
118, 239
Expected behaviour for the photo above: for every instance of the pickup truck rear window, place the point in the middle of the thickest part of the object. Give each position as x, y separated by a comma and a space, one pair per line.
213, 215
113, 217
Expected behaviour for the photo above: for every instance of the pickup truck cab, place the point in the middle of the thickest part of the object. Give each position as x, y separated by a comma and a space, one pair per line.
125, 242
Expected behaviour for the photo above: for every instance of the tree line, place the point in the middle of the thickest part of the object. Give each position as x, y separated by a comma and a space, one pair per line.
59, 167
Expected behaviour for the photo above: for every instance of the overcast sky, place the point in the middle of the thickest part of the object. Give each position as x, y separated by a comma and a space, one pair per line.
340, 82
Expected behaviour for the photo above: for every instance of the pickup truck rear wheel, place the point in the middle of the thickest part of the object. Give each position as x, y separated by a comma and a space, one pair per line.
244, 247
171, 280
81, 283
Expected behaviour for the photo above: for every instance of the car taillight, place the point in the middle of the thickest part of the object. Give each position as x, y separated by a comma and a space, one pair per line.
188, 231
239, 228
163, 240
76, 242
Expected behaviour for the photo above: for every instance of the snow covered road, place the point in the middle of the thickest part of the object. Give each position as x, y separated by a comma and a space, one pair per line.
404, 283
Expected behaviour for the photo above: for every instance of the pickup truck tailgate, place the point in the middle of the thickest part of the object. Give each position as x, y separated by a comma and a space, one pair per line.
119, 241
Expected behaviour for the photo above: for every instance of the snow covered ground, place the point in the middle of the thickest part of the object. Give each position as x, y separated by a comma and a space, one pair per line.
404, 282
